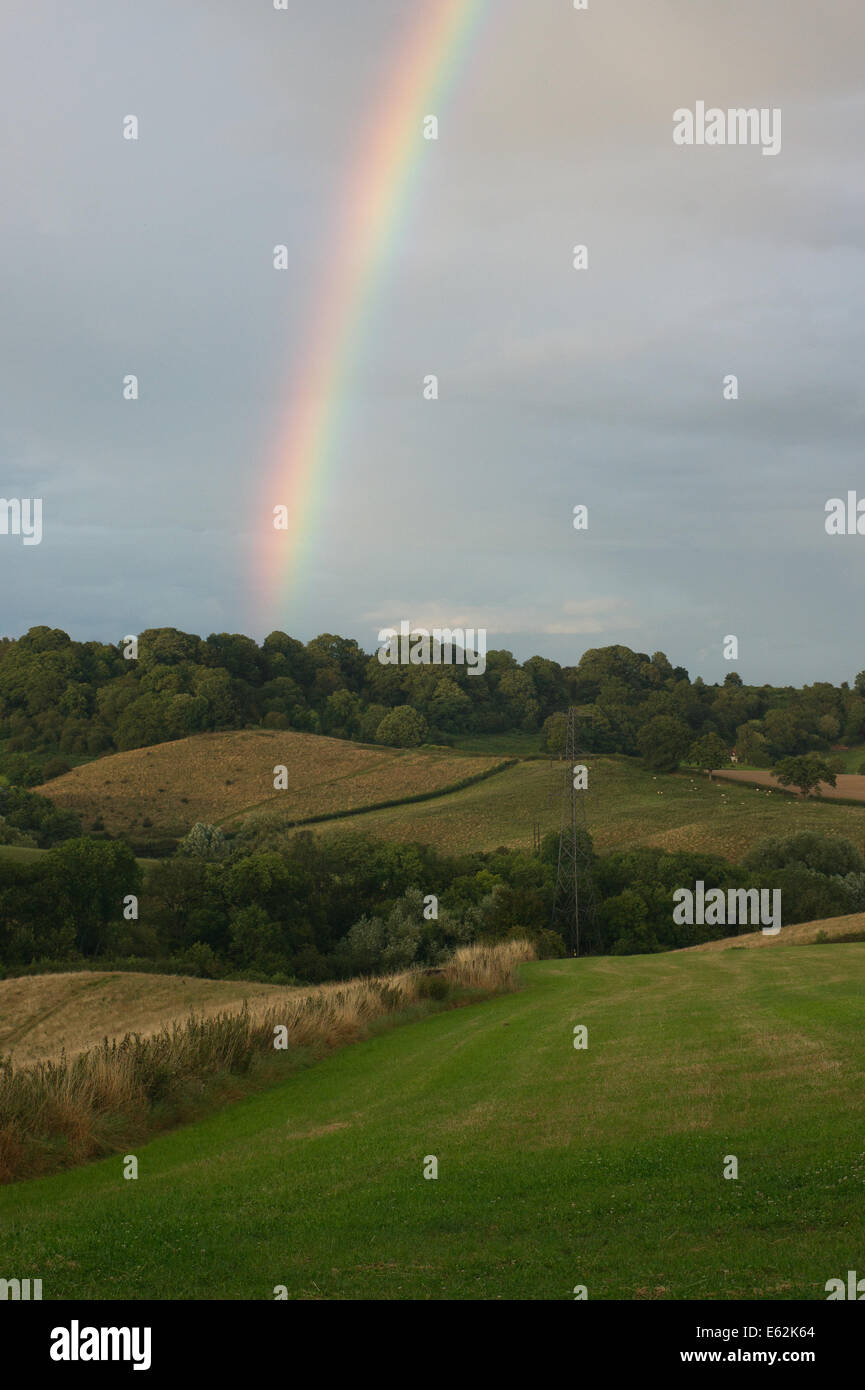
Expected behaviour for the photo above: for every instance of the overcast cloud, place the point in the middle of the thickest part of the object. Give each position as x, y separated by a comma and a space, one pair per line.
557, 387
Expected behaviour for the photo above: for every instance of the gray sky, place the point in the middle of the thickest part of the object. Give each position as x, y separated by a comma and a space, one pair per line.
557, 387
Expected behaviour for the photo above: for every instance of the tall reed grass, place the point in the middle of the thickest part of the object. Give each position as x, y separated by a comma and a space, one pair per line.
56, 1114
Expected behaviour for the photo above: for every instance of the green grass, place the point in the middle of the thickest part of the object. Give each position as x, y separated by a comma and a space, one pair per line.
852, 759
625, 806
511, 745
19, 854
24, 854
557, 1167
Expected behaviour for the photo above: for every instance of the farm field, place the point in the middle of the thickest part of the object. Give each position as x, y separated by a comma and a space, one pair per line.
849, 786
626, 806
221, 777
40, 1015
556, 1166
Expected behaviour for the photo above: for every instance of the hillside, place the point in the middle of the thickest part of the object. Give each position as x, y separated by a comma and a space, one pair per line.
227, 778
40, 1015
556, 1166
826, 929
222, 777
626, 805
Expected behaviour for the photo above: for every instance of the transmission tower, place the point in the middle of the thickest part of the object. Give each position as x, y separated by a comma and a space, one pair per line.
575, 911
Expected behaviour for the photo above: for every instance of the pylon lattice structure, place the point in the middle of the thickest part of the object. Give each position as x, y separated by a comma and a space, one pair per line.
575, 912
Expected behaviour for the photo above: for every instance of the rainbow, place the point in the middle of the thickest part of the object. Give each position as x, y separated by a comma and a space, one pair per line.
371, 217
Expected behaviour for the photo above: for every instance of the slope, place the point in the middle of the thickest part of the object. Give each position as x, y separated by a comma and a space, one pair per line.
222, 777
557, 1166
850, 927
626, 806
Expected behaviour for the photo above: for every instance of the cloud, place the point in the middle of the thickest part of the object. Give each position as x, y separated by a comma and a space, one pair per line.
572, 618
556, 386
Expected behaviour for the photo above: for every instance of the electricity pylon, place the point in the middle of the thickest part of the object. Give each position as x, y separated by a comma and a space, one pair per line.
575, 912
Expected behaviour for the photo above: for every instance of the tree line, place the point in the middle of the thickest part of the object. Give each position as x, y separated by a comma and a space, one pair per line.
63, 702
340, 906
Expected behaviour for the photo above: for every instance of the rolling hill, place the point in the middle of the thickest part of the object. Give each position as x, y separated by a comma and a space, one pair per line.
556, 1166
626, 806
224, 777
228, 779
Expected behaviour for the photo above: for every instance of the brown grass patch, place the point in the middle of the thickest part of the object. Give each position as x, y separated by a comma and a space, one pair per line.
222, 777
44, 1015
848, 928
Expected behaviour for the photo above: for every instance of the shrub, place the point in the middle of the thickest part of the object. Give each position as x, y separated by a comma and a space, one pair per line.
549, 945
827, 854
404, 727
55, 767
199, 959
203, 842
274, 719
433, 987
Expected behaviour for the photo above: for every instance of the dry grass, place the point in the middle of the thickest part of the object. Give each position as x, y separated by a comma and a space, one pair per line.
627, 806
219, 778
490, 968
44, 1015
55, 1114
848, 928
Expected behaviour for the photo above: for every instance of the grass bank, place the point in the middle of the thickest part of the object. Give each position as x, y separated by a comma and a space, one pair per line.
556, 1166
57, 1114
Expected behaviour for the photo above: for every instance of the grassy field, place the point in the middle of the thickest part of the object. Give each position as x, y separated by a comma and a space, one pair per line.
512, 745
23, 854
115, 1096
556, 1166
19, 854
626, 806
852, 758
221, 777
41, 1015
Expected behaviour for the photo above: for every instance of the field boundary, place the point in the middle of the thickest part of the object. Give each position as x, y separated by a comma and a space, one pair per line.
323, 816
